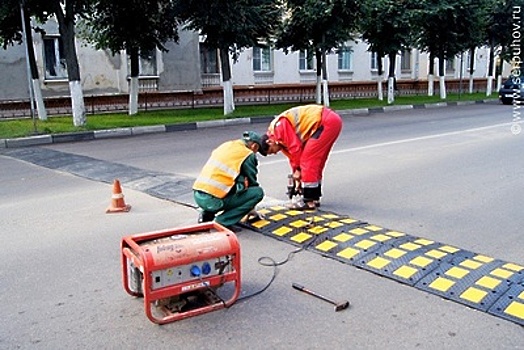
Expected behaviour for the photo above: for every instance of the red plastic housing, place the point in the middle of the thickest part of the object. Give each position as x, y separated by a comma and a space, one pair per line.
179, 271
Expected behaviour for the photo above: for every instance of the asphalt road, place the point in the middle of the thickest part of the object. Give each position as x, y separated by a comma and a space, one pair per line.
450, 174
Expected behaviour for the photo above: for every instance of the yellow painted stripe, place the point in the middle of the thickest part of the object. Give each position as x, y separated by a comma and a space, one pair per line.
423, 241
421, 261
405, 271
395, 253
513, 267
298, 223
395, 234
474, 295
317, 230
488, 282
326, 246
457, 272
437, 254
301, 237
442, 284
515, 309
281, 231
380, 238
343, 237
483, 258
449, 249
365, 244
378, 262
409, 246
261, 223
498, 272
348, 253
473, 265
334, 224
358, 231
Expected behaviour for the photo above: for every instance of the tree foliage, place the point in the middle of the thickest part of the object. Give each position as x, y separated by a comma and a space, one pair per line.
317, 25
231, 24
387, 25
130, 24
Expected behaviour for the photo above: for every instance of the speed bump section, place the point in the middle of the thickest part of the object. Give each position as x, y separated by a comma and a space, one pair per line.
468, 278
353, 244
299, 227
471, 279
510, 306
407, 260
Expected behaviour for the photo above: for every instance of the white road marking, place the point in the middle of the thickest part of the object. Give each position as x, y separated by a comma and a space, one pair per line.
413, 139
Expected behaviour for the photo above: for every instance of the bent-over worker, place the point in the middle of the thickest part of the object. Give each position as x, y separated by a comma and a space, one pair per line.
228, 182
305, 135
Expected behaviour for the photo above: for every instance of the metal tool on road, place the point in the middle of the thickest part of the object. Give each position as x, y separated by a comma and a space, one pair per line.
340, 305
294, 187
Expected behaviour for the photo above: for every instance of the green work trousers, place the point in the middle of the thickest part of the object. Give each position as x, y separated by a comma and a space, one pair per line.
233, 207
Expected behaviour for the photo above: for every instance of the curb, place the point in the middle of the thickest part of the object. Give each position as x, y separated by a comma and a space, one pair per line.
38, 140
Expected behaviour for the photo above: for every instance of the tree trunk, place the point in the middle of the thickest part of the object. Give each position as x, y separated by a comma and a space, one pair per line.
225, 68
380, 70
133, 82
325, 88
391, 77
33, 70
489, 87
471, 68
66, 26
318, 91
441, 77
431, 74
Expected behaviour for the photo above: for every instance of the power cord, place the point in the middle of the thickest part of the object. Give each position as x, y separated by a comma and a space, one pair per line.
272, 263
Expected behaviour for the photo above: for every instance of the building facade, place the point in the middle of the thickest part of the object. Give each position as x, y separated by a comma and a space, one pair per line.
191, 65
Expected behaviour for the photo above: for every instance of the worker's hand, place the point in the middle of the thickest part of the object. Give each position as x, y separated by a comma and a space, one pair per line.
297, 175
246, 183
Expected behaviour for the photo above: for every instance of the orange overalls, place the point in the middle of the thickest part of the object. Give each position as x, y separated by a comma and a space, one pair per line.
307, 134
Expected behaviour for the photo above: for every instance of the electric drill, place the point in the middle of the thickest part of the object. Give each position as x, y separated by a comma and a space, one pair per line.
293, 188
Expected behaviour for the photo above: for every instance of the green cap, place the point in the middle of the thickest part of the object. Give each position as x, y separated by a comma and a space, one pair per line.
254, 137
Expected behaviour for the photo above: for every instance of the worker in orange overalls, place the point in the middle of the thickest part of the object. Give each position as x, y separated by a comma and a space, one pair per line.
305, 135
227, 186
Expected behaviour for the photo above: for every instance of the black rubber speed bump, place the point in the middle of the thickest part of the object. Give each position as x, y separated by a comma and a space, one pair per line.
296, 226
467, 280
353, 244
510, 305
409, 259
471, 279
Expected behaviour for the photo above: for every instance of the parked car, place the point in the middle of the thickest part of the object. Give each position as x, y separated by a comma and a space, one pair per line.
512, 88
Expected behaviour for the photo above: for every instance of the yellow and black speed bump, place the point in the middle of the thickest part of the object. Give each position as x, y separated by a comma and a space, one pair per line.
410, 259
481, 282
510, 305
298, 227
475, 281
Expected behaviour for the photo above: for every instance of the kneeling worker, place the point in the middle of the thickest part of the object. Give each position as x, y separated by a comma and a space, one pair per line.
228, 181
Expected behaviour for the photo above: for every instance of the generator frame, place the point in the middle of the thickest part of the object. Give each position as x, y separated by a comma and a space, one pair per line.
207, 242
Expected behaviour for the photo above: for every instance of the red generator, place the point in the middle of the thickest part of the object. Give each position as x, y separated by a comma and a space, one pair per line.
182, 272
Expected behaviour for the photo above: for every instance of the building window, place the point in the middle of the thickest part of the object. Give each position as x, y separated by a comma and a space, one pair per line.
146, 64
345, 58
374, 61
54, 57
405, 60
450, 65
208, 59
306, 60
262, 59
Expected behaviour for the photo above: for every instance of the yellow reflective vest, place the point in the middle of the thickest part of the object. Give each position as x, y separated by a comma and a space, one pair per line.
305, 119
222, 168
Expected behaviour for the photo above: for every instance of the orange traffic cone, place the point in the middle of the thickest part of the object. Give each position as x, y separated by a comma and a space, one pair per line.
117, 200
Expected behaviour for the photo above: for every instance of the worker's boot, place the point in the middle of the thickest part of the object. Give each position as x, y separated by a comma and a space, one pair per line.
205, 216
